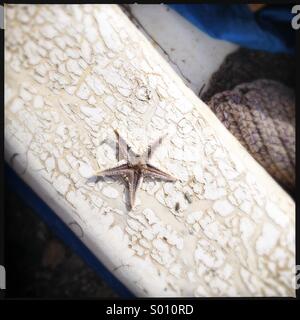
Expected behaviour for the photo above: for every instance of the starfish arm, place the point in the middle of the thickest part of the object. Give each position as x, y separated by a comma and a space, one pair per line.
123, 149
134, 181
121, 170
151, 148
153, 172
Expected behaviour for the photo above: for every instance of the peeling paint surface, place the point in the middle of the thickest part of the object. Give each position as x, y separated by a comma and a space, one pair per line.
73, 75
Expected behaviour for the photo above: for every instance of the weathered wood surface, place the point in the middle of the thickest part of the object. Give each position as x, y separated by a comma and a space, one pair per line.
73, 74
193, 54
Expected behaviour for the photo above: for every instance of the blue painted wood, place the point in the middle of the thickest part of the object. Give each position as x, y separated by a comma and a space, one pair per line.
13, 181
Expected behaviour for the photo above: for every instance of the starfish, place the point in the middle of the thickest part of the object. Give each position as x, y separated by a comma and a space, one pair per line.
136, 168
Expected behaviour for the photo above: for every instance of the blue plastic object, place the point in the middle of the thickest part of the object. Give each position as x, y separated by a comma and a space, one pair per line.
268, 29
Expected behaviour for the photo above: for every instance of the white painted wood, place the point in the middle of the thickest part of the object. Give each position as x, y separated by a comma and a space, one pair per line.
73, 74
193, 54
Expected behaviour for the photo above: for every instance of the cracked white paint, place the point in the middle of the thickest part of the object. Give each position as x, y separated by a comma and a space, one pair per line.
75, 73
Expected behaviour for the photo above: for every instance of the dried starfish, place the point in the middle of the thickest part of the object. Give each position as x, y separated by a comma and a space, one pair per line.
136, 168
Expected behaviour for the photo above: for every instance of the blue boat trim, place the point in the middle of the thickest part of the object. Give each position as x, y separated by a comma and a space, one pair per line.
268, 29
13, 181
